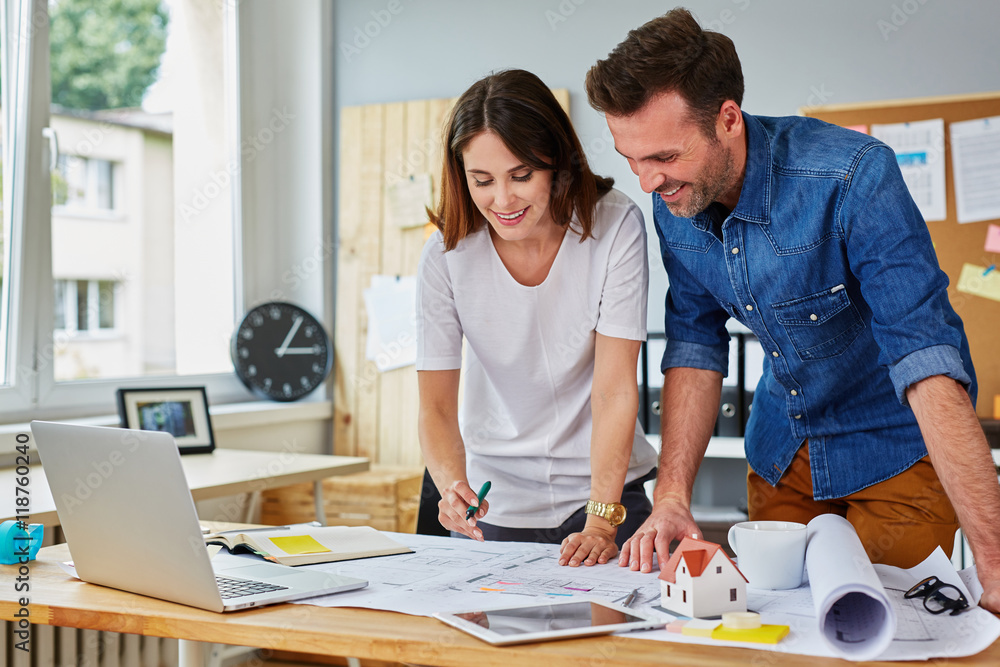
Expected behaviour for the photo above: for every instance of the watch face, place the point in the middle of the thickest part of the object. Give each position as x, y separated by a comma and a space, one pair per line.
617, 515
280, 351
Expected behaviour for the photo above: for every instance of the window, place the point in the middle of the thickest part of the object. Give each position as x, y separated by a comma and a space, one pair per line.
732, 595
130, 243
128, 287
85, 184
718, 570
684, 596
668, 590
85, 305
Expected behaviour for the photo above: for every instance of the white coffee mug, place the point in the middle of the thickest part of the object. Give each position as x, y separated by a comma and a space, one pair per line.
770, 554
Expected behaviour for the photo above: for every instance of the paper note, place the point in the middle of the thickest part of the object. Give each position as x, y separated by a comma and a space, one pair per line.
972, 281
975, 150
299, 544
408, 199
993, 238
919, 148
391, 302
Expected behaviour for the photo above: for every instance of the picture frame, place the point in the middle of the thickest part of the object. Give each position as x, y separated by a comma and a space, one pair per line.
180, 411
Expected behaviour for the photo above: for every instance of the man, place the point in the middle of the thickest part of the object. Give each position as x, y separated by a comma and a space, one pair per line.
806, 233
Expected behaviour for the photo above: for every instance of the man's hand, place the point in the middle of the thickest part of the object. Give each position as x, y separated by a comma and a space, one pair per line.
668, 521
991, 593
455, 502
593, 545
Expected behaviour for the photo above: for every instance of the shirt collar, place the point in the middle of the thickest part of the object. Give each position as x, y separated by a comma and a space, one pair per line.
755, 196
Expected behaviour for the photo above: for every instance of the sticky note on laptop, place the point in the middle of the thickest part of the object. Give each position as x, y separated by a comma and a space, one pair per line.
294, 545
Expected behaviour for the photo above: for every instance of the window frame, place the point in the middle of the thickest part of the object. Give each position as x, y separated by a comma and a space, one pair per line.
31, 390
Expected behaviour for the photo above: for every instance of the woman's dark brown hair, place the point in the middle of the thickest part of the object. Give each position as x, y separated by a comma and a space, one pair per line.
671, 53
519, 109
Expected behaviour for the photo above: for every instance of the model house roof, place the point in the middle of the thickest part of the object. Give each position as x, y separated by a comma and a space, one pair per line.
696, 555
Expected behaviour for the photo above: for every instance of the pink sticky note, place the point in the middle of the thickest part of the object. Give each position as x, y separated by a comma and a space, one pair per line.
993, 238
676, 626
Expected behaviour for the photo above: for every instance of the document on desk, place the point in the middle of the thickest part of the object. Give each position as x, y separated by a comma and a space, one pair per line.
446, 574
874, 619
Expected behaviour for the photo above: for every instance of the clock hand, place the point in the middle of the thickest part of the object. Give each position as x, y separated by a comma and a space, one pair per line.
288, 339
300, 350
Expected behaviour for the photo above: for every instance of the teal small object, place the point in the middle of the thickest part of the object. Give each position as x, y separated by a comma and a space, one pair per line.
19, 541
483, 490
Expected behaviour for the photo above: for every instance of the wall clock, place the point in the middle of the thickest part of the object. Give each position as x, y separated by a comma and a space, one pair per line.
280, 351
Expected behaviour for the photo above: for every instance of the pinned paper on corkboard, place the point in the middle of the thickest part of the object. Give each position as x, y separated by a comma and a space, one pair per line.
993, 238
979, 281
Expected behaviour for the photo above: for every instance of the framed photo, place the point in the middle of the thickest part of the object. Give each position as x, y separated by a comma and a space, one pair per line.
181, 412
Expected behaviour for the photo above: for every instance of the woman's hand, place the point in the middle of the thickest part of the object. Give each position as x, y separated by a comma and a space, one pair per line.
455, 502
593, 545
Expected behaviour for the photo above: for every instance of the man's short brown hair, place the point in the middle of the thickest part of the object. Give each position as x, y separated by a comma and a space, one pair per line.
671, 53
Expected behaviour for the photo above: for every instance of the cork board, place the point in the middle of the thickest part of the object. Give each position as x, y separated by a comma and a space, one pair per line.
955, 244
375, 414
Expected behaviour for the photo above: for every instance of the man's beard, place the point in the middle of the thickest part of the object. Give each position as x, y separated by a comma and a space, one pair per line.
714, 180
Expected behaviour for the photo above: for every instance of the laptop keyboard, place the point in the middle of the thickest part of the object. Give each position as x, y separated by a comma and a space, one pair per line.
237, 588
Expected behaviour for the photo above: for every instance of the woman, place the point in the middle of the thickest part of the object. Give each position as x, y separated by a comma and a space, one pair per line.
541, 266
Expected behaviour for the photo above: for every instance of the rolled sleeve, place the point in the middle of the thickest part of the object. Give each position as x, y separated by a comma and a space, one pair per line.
935, 360
694, 322
890, 251
681, 353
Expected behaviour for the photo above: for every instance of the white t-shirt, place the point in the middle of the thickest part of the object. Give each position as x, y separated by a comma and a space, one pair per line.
525, 416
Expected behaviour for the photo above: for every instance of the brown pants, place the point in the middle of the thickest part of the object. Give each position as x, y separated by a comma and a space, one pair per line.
899, 521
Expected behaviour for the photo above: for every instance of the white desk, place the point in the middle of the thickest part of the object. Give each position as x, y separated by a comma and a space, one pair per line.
224, 472
718, 447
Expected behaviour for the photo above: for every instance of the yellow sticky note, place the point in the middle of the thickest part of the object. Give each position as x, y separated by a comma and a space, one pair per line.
699, 628
972, 281
298, 544
765, 634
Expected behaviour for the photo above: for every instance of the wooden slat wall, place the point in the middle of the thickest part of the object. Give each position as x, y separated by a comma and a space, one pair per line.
375, 414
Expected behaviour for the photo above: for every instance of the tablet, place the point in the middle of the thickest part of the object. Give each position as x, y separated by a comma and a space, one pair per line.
543, 621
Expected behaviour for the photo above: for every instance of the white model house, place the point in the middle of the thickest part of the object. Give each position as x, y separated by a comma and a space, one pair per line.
701, 581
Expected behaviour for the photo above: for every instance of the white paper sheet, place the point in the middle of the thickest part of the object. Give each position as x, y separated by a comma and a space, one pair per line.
445, 574
919, 148
854, 615
391, 302
408, 199
975, 159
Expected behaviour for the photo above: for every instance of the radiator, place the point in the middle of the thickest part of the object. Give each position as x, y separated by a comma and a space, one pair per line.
69, 647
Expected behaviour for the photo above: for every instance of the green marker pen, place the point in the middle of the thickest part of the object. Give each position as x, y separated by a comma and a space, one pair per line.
482, 496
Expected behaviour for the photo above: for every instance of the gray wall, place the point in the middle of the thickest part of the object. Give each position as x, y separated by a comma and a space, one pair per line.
795, 53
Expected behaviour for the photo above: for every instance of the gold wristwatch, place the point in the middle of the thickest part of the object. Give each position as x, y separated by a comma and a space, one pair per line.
614, 513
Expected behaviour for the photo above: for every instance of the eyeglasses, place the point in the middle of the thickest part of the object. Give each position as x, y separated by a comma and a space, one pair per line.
938, 596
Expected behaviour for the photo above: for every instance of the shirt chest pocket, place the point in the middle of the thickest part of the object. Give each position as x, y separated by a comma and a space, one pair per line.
820, 325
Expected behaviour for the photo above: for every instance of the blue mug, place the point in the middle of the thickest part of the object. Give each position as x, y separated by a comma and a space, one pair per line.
19, 542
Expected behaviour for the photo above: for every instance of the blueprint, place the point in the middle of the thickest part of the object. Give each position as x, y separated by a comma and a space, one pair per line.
445, 574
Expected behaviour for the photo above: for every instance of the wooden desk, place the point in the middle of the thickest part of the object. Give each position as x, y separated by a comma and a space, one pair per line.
224, 472
57, 599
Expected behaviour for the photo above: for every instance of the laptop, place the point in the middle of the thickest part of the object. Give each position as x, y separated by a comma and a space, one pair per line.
130, 522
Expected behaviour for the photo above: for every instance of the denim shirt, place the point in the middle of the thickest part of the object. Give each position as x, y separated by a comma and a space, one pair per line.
828, 261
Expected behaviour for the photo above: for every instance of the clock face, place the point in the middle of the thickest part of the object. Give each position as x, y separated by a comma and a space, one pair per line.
281, 351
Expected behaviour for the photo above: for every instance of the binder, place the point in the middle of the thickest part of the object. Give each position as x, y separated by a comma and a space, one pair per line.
729, 423
753, 368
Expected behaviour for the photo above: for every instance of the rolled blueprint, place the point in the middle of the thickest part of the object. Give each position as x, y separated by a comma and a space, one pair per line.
856, 619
